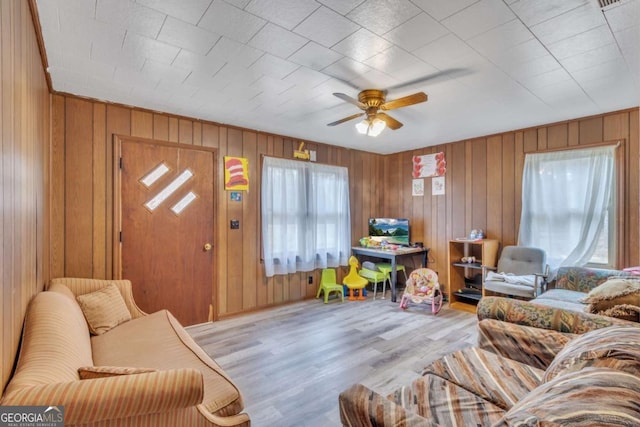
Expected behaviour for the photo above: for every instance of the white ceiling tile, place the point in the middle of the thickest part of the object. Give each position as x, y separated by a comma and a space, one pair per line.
613, 70
187, 36
374, 79
223, 18
316, 26
583, 42
524, 52
78, 7
478, 18
381, 16
392, 59
159, 71
416, 32
74, 26
346, 69
535, 82
306, 77
535, 11
277, 41
416, 73
443, 9
237, 53
591, 58
130, 16
494, 42
361, 45
623, 15
569, 24
149, 48
240, 4
287, 14
314, 56
271, 85
134, 78
541, 65
109, 51
189, 61
341, 6
442, 52
273, 66
201, 79
189, 11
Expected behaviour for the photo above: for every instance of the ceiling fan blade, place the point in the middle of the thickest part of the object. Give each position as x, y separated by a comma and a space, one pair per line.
350, 100
346, 119
449, 73
392, 123
416, 98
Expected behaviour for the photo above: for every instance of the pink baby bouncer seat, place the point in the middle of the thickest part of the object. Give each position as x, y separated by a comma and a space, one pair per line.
422, 286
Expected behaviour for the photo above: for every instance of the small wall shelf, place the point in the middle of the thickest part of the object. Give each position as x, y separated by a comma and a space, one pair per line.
465, 279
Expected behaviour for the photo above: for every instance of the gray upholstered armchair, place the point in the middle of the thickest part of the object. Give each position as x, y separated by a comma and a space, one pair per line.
522, 271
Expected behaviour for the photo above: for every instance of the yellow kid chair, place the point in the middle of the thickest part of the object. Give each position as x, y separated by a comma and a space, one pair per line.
328, 284
354, 281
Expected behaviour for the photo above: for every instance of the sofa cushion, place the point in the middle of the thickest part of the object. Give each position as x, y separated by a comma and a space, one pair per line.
591, 396
158, 341
92, 372
446, 403
104, 309
55, 342
614, 292
614, 346
494, 378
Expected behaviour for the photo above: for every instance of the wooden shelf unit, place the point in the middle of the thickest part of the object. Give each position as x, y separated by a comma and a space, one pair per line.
465, 279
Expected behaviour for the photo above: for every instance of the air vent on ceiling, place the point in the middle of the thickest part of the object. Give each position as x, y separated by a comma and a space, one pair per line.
605, 3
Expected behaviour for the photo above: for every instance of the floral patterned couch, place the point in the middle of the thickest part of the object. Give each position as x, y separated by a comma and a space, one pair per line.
534, 365
517, 375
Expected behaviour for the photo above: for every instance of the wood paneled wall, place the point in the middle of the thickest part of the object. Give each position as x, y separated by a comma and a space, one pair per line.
24, 142
82, 195
484, 180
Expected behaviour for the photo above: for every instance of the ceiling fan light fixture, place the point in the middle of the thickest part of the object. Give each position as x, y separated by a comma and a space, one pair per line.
371, 127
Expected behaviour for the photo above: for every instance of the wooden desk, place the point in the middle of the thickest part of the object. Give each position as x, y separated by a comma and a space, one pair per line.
391, 255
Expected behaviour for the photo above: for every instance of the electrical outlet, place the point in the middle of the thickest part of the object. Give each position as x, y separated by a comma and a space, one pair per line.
310, 280
235, 224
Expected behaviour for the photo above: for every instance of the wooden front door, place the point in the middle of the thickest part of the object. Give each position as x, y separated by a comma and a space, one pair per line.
167, 208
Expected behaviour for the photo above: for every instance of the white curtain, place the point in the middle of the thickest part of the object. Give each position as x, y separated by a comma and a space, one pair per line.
566, 197
306, 220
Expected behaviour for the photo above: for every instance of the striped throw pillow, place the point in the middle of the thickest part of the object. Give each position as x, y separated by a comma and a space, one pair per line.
589, 397
104, 309
615, 347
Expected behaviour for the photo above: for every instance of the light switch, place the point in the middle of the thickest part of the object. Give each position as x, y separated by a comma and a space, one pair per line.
235, 224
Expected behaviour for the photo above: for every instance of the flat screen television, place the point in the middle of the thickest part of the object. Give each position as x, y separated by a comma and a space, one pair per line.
393, 230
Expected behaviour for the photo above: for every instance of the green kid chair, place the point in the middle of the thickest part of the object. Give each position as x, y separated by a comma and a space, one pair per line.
328, 284
373, 275
386, 269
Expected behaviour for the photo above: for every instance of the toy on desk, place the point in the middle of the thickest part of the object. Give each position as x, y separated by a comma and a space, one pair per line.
423, 286
354, 281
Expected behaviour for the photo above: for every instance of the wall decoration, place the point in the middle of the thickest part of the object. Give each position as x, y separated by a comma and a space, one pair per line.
235, 196
437, 186
300, 153
429, 165
236, 173
417, 188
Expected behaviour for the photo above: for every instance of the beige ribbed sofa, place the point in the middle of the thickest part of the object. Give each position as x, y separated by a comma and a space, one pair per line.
156, 374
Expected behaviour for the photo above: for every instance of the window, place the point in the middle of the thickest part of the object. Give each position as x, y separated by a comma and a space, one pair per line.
568, 206
305, 216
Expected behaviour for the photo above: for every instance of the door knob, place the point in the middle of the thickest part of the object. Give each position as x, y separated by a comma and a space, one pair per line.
207, 247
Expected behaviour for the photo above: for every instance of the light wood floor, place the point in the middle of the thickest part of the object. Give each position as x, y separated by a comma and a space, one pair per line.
292, 362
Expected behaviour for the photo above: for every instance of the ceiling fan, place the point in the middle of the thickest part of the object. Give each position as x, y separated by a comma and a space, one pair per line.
373, 100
